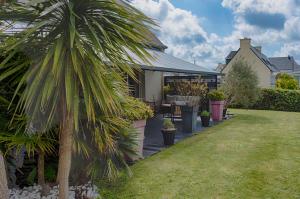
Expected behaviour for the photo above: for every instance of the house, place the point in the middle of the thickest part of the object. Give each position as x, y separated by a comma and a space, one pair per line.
266, 67
162, 68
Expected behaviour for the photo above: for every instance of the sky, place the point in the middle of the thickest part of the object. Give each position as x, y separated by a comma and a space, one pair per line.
205, 31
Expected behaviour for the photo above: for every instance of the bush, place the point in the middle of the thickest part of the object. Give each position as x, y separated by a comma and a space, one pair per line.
286, 81
205, 114
190, 88
50, 173
241, 85
135, 109
216, 95
279, 100
168, 124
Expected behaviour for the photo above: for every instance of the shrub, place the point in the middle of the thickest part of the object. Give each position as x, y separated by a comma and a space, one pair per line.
279, 100
167, 90
216, 95
241, 85
205, 114
168, 124
190, 88
50, 172
135, 109
286, 81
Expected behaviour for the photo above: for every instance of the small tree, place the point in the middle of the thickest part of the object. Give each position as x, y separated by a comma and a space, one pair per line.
241, 85
286, 81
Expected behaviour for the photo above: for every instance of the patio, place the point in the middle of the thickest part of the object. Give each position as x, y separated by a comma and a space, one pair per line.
153, 142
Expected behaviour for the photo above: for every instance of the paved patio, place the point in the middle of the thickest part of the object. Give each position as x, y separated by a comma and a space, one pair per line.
153, 141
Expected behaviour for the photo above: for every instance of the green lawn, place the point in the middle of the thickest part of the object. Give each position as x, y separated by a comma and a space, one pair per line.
254, 155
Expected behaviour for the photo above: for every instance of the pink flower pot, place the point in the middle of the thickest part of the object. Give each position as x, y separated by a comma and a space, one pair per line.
217, 110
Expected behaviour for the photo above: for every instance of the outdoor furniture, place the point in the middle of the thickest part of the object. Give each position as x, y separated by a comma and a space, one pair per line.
166, 110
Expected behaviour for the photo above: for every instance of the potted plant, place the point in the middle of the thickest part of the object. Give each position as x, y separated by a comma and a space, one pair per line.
138, 112
168, 132
216, 98
205, 118
189, 113
190, 95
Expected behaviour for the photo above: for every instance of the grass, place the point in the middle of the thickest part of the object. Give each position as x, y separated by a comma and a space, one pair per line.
254, 155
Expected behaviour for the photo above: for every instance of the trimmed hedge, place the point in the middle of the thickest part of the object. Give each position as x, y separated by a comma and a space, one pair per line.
279, 100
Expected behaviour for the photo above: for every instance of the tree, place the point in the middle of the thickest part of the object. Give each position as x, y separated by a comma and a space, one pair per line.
80, 52
3, 181
286, 81
241, 85
41, 144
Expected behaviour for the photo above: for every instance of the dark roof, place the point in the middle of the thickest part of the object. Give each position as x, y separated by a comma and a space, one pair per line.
285, 63
231, 55
275, 64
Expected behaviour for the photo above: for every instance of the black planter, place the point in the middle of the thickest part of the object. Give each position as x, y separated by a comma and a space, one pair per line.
224, 112
189, 118
205, 121
169, 136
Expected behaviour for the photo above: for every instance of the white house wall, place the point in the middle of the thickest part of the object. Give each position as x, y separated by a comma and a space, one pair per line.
153, 86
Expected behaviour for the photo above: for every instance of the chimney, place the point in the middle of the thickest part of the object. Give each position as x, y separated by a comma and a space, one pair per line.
245, 43
258, 48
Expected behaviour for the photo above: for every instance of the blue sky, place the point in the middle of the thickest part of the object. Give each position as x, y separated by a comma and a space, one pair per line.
215, 17
207, 30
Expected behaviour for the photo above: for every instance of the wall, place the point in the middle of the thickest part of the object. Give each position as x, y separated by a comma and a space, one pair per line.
247, 55
153, 86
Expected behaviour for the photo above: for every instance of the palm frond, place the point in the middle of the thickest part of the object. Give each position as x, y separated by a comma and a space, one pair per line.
76, 47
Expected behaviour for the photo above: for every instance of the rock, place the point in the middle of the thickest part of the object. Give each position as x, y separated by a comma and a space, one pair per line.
34, 192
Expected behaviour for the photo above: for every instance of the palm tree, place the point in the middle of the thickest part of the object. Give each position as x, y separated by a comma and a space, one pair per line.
3, 177
13, 134
3, 181
80, 53
41, 144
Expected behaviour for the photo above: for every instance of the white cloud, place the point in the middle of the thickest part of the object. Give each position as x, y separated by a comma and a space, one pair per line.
267, 6
183, 33
292, 49
292, 29
288, 36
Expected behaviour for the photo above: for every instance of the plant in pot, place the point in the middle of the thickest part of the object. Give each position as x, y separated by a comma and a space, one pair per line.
137, 112
205, 118
191, 93
216, 98
168, 132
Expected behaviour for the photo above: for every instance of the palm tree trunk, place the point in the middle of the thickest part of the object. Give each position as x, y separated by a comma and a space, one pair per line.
41, 168
3, 179
65, 154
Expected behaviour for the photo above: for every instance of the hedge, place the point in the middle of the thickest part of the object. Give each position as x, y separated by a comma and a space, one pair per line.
279, 100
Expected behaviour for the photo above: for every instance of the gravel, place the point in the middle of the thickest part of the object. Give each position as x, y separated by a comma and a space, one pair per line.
34, 192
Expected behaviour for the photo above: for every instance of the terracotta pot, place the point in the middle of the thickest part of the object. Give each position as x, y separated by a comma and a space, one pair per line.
217, 110
139, 125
